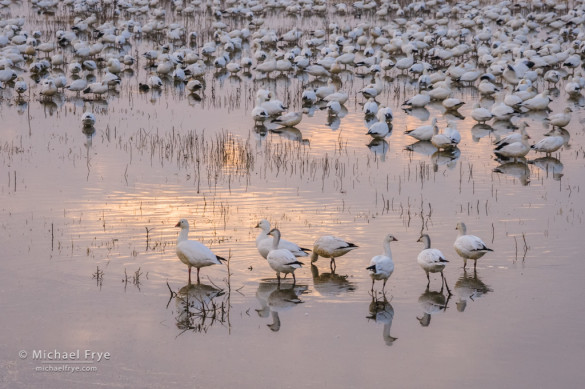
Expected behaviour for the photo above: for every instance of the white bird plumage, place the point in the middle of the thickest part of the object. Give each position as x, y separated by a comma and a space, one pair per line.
381, 266
424, 132
469, 246
281, 260
193, 253
331, 247
431, 260
264, 242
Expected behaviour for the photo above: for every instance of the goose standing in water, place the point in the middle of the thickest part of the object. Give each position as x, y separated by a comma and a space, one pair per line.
290, 119
514, 150
282, 260
264, 242
549, 144
193, 253
469, 246
424, 132
560, 119
431, 260
381, 266
331, 247
88, 119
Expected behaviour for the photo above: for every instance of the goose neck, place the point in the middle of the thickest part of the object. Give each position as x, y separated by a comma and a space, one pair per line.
183, 235
426, 241
275, 240
387, 250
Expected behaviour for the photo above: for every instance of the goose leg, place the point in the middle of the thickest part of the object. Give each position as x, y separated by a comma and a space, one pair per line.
428, 280
384, 284
198, 275
189, 275
372, 287
446, 285
474, 265
294, 279
332, 265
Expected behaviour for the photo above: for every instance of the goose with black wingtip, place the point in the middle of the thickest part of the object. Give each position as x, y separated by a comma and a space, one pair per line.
193, 253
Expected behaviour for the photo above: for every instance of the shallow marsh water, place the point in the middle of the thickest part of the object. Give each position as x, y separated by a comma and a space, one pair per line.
82, 212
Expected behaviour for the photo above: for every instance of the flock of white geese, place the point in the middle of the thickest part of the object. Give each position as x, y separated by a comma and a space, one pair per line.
283, 256
514, 54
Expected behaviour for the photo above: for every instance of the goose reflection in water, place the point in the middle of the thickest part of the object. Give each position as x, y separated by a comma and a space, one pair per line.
432, 302
381, 311
379, 147
423, 147
331, 284
198, 307
290, 133
480, 130
550, 165
275, 298
445, 157
89, 132
518, 169
21, 107
469, 287
421, 114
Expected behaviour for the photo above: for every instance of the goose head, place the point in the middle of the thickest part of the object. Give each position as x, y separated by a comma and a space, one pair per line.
461, 228
183, 223
426, 240
264, 225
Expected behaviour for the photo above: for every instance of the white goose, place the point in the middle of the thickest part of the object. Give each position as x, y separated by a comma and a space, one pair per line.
480, 114
193, 253
560, 119
447, 140
264, 242
371, 107
340, 97
469, 246
381, 266
515, 149
538, 102
418, 101
290, 119
385, 114
282, 260
331, 247
548, 144
379, 130
88, 119
431, 260
425, 132
452, 104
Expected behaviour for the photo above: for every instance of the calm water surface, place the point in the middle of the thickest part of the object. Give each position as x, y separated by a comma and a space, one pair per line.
83, 213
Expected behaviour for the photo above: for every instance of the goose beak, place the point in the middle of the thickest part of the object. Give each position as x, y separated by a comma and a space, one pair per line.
419, 239
257, 225
178, 224
394, 239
